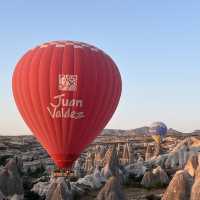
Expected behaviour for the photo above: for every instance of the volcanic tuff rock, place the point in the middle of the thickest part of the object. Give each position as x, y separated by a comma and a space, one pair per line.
41, 188
177, 158
112, 190
195, 193
60, 189
10, 178
128, 158
111, 162
127, 155
192, 164
149, 152
78, 169
2, 197
89, 162
179, 187
156, 178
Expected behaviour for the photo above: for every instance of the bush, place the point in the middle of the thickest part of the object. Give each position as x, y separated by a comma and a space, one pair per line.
37, 173
4, 158
29, 195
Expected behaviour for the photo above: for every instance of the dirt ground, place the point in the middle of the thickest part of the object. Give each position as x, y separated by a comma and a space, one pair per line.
132, 193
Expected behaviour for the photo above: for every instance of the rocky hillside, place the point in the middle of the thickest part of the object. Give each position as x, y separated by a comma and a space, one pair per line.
126, 163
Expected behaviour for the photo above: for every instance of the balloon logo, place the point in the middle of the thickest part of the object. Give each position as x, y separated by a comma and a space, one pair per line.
66, 93
157, 131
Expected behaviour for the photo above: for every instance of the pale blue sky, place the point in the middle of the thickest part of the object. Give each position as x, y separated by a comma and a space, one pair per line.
156, 45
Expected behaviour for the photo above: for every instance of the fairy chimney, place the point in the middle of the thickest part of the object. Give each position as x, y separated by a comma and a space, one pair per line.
112, 190
126, 155
59, 189
180, 187
10, 178
89, 162
149, 152
195, 193
111, 162
157, 178
99, 155
192, 164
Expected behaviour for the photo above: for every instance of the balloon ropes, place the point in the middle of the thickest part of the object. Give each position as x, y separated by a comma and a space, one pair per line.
66, 92
158, 130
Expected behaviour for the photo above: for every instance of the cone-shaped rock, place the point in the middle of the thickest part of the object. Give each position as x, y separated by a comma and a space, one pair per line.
192, 164
112, 190
180, 187
89, 163
10, 179
157, 178
149, 152
195, 193
111, 162
59, 189
99, 155
126, 155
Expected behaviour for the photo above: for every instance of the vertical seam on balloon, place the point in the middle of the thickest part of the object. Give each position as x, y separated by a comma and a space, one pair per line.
34, 129
106, 91
61, 138
35, 115
41, 106
106, 95
19, 103
80, 71
115, 92
93, 122
63, 134
70, 120
39, 100
52, 121
62, 121
46, 118
15, 89
117, 89
91, 55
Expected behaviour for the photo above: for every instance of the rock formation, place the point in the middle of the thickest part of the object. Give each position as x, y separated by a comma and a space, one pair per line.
195, 193
112, 190
192, 164
90, 182
149, 152
89, 162
99, 155
78, 170
127, 155
10, 179
2, 197
111, 162
179, 187
155, 178
41, 188
177, 158
59, 189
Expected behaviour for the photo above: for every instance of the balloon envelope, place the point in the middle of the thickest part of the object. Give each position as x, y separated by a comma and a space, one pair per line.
158, 128
66, 93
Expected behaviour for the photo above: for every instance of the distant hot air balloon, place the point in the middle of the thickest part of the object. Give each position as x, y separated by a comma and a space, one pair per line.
66, 93
158, 130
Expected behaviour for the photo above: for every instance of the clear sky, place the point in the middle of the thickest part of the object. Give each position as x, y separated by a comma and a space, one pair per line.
156, 45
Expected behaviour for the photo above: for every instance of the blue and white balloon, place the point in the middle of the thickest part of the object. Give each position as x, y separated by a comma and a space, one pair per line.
158, 129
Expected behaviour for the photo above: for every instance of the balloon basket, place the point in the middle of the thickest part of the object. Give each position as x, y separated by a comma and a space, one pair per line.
62, 173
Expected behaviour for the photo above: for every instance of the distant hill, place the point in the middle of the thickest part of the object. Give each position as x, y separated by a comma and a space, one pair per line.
141, 131
113, 132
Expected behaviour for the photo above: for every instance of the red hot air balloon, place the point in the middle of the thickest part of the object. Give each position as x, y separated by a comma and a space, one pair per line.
66, 93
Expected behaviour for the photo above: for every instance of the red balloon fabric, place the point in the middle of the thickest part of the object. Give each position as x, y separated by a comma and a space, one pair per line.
66, 92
